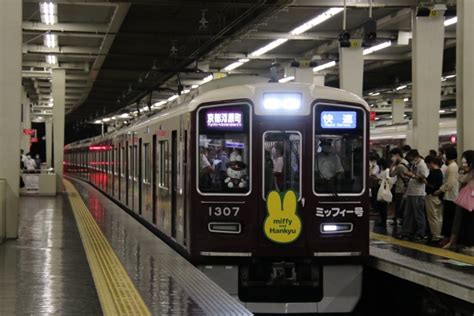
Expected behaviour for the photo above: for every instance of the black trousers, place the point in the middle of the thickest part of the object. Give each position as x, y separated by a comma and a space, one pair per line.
449, 209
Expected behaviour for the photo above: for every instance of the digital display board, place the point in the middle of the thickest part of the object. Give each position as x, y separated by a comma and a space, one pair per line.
338, 119
226, 120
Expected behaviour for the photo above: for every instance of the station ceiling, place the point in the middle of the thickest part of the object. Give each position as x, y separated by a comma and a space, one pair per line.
117, 53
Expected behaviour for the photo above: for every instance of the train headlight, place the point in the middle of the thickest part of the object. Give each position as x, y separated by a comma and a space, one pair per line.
336, 228
282, 101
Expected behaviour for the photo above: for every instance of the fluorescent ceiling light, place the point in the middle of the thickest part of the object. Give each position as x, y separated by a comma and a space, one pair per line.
401, 87
442, 111
405, 99
286, 79
113, 118
324, 66
173, 97
451, 21
106, 119
450, 76
268, 47
186, 91
124, 115
375, 48
98, 122
315, 21
158, 104
443, 79
50, 40
49, 13
374, 93
51, 59
194, 86
207, 79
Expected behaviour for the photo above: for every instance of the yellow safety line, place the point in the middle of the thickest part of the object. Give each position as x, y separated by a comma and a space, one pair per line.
424, 248
117, 293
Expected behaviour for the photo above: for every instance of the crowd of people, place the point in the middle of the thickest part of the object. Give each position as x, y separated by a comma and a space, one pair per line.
430, 197
28, 164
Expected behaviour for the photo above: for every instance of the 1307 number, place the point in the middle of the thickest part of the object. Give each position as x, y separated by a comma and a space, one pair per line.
223, 211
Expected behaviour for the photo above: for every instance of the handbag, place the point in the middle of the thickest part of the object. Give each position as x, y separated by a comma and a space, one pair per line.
465, 198
385, 194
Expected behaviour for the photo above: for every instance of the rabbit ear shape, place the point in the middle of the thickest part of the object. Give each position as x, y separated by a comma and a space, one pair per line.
290, 202
274, 202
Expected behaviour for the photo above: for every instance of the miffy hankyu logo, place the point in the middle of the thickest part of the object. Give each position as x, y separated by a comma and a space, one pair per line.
282, 224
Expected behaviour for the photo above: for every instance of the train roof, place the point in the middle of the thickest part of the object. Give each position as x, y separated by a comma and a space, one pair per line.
242, 87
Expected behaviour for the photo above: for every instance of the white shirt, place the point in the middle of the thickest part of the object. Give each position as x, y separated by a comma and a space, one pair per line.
30, 164
204, 162
278, 164
328, 165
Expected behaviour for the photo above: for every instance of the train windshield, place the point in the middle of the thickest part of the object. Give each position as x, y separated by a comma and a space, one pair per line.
224, 151
338, 161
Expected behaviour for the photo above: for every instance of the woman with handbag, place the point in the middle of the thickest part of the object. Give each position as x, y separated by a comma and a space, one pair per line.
384, 194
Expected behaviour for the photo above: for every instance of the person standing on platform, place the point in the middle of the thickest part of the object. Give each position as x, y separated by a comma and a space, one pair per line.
433, 203
398, 169
450, 189
414, 222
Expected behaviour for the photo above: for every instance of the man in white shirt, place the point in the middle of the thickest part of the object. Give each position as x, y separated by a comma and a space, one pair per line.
30, 163
328, 168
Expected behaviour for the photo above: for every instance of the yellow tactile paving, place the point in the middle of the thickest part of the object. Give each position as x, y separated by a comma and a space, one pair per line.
117, 293
424, 248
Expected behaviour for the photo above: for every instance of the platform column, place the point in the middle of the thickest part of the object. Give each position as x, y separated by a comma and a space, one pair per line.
427, 63
59, 96
351, 69
49, 142
398, 110
25, 122
465, 75
10, 112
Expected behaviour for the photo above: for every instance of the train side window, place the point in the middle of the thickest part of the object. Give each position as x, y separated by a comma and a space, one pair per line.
130, 162
224, 149
122, 162
147, 163
338, 148
282, 161
135, 163
164, 164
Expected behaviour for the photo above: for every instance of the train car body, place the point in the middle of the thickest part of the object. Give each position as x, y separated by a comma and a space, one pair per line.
261, 185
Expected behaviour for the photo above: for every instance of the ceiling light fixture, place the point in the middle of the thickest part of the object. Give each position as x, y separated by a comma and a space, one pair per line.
405, 99
51, 59
324, 66
316, 20
207, 79
98, 122
194, 86
378, 47
451, 21
106, 119
268, 47
50, 40
173, 97
286, 79
236, 64
374, 94
49, 13
450, 76
401, 87
159, 103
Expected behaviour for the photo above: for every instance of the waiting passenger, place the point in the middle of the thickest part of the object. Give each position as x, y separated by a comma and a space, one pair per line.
374, 172
30, 163
433, 153
206, 169
450, 189
38, 161
383, 176
405, 150
328, 167
414, 222
433, 203
398, 169
278, 166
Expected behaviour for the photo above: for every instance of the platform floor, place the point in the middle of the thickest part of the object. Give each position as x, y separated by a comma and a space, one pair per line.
447, 271
45, 271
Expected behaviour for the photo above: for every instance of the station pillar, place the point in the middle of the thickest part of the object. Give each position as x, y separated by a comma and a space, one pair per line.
10, 115
25, 122
59, 98
465, 75
427, 63
49, 141
351, 69
398, 110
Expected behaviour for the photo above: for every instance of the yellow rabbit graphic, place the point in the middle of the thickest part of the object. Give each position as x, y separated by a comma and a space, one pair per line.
282, 224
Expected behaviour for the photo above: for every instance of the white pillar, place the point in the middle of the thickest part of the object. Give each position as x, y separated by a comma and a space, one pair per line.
351, 69
398, 110
59, 96
25, 121
319, 80
10, 108
49, 141
465, 75
427, 62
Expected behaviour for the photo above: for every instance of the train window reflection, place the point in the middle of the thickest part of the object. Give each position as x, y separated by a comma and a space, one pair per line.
338, 162
282, 153
223, 149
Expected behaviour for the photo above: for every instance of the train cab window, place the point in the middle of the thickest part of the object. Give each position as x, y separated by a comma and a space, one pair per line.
282, 161
338, 154
224, 149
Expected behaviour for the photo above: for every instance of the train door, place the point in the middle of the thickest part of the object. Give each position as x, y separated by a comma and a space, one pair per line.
130, 165
174, 180
137, 177
154, 179
282, 196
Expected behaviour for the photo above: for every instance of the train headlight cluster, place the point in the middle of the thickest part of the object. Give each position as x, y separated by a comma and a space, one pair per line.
282, 101
336, 228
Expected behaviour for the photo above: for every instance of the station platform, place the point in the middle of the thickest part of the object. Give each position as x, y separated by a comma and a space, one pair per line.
446, 271
106, 264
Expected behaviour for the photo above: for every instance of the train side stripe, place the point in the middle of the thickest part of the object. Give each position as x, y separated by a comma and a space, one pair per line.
424, 248
117, 293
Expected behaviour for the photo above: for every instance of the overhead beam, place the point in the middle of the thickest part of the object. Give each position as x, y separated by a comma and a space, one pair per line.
60, 50
41, 64
65, 27
310, 36
356, 3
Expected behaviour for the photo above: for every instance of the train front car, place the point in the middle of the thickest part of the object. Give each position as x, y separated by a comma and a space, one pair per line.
280, 199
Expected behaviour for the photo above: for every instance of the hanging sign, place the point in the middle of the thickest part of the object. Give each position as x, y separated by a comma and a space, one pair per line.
282, 224
27, 131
